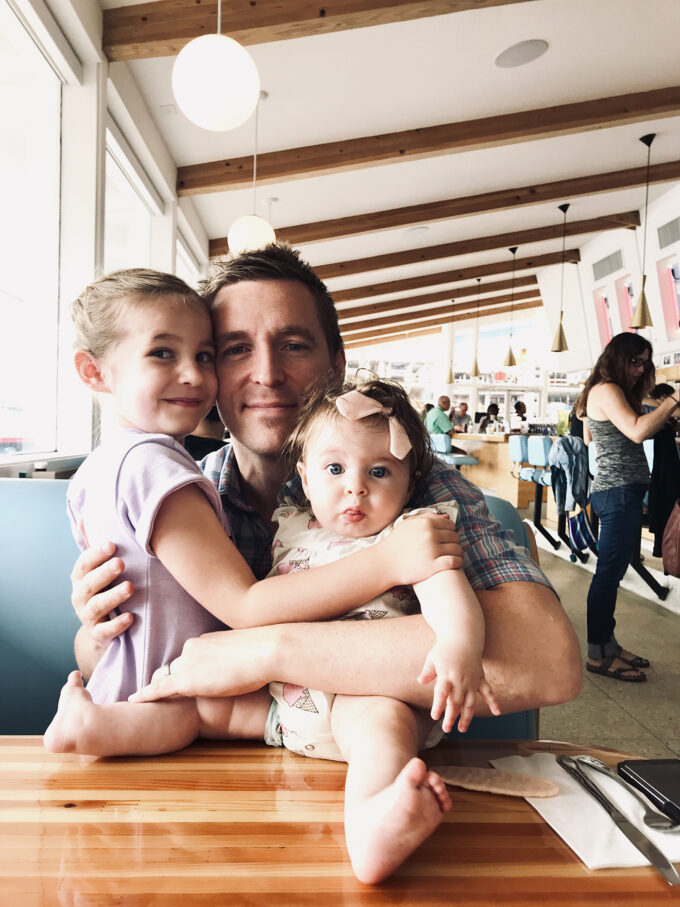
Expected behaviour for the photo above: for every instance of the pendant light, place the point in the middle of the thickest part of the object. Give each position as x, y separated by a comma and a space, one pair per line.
559, 344
250, 231
215, 81
474, 371
641, 316
449, 377
510, 360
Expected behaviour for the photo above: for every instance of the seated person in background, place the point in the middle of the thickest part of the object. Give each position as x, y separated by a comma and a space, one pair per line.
207, 436
575, 425
438, 423
459, 417
518, 420
426, 410
490, 418
521, 410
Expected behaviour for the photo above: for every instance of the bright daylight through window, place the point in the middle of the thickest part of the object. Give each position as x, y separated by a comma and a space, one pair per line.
30, 100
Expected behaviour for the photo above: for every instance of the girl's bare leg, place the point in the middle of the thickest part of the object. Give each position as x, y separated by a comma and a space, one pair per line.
392, 802
148, 728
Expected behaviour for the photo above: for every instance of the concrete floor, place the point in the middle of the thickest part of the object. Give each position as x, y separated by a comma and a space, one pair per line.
642, 718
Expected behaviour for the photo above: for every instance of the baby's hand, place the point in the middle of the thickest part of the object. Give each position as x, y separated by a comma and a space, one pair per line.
459, 679
421, 546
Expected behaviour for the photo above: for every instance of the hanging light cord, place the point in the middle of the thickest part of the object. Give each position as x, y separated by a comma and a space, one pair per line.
644, 234
219, 17
257, 112
564, 245
512, 290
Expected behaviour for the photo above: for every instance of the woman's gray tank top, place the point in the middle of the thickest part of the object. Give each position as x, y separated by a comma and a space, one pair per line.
620, 461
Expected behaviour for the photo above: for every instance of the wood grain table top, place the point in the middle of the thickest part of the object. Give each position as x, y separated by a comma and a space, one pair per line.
230, 823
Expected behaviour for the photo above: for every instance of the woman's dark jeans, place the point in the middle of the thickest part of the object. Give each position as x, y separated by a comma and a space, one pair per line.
619, 511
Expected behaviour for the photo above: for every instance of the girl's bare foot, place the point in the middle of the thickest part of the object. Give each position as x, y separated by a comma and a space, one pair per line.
385, 829
76, 713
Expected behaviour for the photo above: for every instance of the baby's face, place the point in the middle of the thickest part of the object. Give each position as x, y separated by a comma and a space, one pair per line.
354, 484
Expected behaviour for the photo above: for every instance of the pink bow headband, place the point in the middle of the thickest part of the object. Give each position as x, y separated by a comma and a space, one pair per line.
355, 405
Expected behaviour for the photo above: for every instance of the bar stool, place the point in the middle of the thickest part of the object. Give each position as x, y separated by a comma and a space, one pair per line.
441, 445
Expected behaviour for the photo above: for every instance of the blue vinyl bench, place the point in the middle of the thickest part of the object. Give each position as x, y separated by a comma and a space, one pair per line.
38, 625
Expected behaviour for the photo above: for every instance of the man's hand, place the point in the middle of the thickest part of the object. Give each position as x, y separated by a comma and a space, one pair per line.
94, 571
224, 663
459, 678
421, 546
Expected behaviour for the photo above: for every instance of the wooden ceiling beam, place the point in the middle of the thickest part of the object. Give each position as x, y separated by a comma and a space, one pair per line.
441, 312
376, 308
484, 203
468, 135
162, 29
362, 335
432, 280
623, 220
389, 336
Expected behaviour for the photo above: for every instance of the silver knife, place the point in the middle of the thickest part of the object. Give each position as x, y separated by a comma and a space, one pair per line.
634, 835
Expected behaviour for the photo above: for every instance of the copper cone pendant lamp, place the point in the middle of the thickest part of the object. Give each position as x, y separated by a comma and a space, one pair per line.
559, 344
641, 316
510, 361
474, 371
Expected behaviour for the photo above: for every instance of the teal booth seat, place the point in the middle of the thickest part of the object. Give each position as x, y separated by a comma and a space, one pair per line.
38, 624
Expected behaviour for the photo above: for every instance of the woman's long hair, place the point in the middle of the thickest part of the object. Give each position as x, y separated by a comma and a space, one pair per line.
612, 368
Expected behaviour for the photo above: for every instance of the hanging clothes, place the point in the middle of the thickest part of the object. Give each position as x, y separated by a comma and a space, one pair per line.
568, 460
664, 489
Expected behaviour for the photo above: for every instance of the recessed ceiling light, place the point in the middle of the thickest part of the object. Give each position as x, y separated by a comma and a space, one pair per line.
519, 54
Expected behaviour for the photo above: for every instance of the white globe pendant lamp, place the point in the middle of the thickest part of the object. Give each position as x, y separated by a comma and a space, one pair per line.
248, 233
215, 81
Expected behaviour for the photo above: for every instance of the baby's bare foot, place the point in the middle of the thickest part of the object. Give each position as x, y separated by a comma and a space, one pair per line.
385, 829
74, 713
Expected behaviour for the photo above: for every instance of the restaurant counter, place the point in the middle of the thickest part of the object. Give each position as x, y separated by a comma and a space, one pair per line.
494, 470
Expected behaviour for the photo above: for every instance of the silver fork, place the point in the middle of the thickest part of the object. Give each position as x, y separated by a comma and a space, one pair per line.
652, 819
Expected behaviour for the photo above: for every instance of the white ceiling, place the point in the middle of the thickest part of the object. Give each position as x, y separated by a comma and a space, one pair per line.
432, 71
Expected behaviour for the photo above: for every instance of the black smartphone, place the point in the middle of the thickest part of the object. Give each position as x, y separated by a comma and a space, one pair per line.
659, 781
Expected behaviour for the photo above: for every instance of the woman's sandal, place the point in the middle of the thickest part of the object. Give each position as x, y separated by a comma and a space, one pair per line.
637, 661
605, 668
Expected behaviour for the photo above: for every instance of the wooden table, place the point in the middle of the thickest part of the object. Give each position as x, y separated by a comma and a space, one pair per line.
225, 823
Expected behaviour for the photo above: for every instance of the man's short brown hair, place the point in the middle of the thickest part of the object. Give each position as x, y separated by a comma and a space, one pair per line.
277, 261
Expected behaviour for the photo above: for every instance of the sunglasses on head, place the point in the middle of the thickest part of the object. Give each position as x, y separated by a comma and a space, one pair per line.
636, 362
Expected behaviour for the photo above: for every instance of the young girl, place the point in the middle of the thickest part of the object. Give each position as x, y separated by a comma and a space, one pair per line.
144, 342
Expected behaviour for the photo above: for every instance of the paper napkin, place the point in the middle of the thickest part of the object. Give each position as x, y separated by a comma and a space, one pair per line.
580, 820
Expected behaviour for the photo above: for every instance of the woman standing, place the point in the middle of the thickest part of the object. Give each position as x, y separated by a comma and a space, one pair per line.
612, 402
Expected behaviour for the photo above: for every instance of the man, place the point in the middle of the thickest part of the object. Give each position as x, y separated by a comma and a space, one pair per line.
437, 421
459, 417
276, 331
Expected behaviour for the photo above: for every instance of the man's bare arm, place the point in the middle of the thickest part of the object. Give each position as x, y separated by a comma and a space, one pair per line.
93, 598
531, 655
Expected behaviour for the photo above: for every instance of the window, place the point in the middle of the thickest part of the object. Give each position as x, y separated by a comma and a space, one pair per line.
30, 120
186, 265
604, 318
668, 272
127, 227
624, 298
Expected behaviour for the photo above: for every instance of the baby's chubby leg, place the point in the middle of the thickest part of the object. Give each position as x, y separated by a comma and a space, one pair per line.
119, 728
392, 802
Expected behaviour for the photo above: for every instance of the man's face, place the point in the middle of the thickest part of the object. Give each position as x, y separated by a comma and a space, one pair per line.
444, 403
270, 346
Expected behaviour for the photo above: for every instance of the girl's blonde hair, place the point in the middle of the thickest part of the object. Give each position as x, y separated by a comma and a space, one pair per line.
319, 404
97, 312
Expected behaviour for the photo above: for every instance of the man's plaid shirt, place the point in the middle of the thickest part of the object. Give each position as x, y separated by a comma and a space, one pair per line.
490, 555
